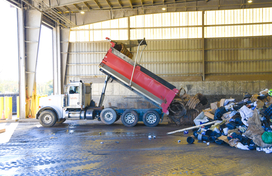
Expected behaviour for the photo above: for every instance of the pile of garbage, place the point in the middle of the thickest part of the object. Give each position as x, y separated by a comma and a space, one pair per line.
244, 124
184, 108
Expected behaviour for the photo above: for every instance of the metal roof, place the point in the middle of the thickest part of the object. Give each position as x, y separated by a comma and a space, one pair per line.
59, 10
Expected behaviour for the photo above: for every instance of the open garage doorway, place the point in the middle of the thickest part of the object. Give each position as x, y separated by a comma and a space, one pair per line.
9, 81
8, 49
44, 70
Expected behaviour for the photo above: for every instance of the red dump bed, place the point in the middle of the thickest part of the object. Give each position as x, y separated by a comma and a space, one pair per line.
144, 82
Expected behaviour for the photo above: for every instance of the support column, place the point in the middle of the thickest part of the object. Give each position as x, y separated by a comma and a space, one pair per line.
64, 47
56, 61
32, 37
21, 61
129, 34
203, 47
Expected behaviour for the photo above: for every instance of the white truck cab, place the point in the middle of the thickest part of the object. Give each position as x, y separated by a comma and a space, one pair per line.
74, 103
78, 95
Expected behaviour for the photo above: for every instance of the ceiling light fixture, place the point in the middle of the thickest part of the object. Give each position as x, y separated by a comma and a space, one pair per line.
249, 1
82, 10
164, 8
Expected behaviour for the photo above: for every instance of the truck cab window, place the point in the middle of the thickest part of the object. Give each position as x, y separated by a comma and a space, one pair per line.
74, 90
88, 89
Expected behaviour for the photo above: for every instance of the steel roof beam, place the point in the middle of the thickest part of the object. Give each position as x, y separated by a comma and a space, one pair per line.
96, 2
261, 3
67, 8
119, 3
77, 7
130, 4
59, 10
109, 3
87, 5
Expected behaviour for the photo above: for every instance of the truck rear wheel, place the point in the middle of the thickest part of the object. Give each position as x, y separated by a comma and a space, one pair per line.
108, 116
151, 118
130, 118
48, 118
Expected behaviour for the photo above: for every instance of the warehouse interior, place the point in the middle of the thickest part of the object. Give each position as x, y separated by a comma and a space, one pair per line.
219, 48
215, 47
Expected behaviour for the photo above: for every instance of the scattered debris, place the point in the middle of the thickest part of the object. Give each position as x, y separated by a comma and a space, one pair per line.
190, 140
3, 121
2, 130
191, 128
245, 124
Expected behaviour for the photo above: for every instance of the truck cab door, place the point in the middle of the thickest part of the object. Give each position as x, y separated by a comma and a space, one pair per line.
74, 95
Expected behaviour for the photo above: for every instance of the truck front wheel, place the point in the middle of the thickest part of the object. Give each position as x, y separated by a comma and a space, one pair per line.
129, 118
151, 118
48, 118
108, 116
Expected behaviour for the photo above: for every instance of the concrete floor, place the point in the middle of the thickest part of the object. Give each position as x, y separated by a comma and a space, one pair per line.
92, 148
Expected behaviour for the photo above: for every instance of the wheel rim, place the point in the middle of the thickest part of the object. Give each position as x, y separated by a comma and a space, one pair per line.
151, 118
47, 119
108, 116
129, 118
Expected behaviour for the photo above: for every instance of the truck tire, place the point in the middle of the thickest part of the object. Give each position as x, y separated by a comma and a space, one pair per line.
151, 118
118, 117
130, 118
48, 118
108, 116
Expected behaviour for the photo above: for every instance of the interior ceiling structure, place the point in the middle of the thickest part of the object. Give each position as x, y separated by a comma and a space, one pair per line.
65, 11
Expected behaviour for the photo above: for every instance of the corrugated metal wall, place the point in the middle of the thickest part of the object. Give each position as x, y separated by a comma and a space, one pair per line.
175, 49
84, 58
235, 56
173, 57
223, 56
164, 58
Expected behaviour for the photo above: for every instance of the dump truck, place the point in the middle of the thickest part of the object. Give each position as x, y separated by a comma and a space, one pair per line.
117, 65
